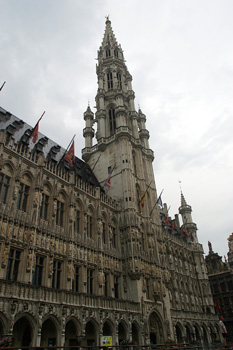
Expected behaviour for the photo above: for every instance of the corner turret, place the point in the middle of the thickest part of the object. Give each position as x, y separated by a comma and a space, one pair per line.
188, 227
88, 132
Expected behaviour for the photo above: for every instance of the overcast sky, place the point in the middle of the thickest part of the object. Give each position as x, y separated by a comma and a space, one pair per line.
180, 54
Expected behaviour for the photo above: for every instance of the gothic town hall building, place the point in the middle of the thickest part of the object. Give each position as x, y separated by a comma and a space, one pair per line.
83, 259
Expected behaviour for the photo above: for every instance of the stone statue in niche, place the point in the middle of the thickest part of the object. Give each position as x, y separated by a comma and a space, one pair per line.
5, 255
100, 227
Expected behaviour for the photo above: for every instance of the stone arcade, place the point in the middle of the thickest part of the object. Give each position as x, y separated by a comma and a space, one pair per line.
79, 263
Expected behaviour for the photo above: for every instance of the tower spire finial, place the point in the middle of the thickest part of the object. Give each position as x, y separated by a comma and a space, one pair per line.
107, 19
180, 185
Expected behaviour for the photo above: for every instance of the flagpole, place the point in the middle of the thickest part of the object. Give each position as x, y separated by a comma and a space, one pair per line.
2, 86
96, 162
66, 150
145, 191
156, 202
109, 176
38, 121
35, 126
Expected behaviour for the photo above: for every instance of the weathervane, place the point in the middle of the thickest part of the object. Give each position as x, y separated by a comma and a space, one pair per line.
180, 185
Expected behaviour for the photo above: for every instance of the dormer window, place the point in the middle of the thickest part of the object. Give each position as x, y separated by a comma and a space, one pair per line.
110, 80
108, 53
119, 82
116, 53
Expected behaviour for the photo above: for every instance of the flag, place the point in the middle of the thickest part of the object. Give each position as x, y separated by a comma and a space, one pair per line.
70, 155
184, 232
191, 235
107, 184
218, 306
166, 221
142, 201
159, 201
35, 131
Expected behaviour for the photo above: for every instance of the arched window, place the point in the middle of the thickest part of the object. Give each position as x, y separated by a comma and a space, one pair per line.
60, 213
5, 177
119, 82
13, 264
78, 219
116, 53
116, 286
56, 276
90, 281
108, 52
45, 201
112, 121
23, 193
110, 80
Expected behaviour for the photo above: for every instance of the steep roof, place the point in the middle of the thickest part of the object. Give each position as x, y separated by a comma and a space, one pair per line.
21, 132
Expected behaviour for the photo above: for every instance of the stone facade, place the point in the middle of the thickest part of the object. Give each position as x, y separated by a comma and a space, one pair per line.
221, 280
87, 251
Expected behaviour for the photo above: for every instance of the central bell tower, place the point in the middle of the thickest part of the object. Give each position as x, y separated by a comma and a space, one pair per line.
122, 148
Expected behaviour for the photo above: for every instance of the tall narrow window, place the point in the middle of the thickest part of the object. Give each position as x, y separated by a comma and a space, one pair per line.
38, 273
44, 206
56, 279
60, 213
23, 197
109, 80
104, 233
89, 226
90, 281
13, 265
142, 238
112, 121
147, 288
76, 281
4, 186
77, 222
108, 53
119, 82
113, 237
116, 287
116, 53
105, 284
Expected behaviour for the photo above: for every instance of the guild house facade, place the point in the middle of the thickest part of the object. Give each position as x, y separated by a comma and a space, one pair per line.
88, 253
221, 281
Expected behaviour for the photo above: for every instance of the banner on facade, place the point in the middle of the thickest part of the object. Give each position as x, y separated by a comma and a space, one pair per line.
106, 340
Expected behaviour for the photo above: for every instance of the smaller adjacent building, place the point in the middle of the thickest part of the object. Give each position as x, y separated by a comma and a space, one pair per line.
221, 280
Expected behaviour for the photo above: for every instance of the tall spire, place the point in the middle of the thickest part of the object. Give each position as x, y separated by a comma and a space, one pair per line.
183, 201
109, 49
189, 226
109, 37
121, 134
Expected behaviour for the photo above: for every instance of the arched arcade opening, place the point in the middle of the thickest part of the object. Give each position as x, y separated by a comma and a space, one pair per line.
156, 330
49, 334
91, 334
22, 332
